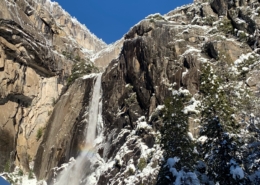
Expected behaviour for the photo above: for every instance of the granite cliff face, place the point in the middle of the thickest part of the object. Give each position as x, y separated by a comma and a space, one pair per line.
39, 42
158, 55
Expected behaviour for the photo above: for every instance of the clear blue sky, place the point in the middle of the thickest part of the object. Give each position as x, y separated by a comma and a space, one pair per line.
111, 19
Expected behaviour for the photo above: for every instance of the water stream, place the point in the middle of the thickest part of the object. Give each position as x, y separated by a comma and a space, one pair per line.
77, 173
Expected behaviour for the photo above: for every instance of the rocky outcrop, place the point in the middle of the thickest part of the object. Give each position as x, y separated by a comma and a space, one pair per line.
105, 56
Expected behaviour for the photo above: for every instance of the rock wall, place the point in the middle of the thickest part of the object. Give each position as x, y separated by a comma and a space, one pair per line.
39, 43
159, 54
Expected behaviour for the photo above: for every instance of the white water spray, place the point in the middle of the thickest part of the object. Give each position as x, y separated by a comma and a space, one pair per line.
76, 173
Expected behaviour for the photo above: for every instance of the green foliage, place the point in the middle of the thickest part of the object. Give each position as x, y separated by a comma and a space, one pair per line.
174, 137
215, 103
226, 26
7, 167
158, 17
175, 140
68, 55
29, 158
20, 172
129, 87
244, 66
49, 112
142, 164
54, 101
77, 58
219, 106
79, 69
209, 20
30, 175
242, 37
239, 96
39, 133
151, 20
132, 99
131, 171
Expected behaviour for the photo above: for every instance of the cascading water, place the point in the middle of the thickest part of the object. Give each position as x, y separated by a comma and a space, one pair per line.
77, 173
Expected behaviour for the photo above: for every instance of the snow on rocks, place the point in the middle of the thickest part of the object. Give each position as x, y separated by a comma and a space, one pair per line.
139, 166
202, 139
22, 178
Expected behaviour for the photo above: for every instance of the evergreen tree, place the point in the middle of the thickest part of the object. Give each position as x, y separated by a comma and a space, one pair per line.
220, 150
251, 151
174, 139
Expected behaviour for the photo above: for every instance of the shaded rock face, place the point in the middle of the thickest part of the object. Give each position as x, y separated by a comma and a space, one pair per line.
153, 61
38, 45
159, 54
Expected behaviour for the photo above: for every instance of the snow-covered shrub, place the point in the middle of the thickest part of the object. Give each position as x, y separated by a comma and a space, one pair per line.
156, 16
79, 69
226, 26
142, 163
219, 126
209, 20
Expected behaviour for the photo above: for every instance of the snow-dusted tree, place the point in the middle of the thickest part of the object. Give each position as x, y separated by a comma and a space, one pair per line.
80, 68
251, 150
176, 143
220, 149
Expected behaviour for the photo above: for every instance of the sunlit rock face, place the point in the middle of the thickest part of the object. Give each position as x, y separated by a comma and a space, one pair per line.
39, 42
106, 55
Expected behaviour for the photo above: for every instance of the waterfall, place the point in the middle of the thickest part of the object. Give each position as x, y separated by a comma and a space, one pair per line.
76, 173
93, 112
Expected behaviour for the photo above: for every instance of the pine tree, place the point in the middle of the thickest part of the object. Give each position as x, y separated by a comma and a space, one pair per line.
174, 139
220, 150
251, 151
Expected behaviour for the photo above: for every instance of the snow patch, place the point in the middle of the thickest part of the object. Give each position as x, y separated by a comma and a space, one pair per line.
172, 161
192, 108
236, 171
202, 139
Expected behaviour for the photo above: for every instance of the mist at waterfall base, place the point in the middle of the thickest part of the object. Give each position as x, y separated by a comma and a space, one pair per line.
79, 170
